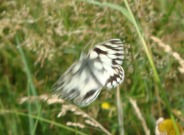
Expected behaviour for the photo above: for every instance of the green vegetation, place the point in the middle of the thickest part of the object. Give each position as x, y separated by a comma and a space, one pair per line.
39, 40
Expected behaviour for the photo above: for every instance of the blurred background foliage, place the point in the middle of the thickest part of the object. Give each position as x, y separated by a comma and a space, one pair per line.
40, 39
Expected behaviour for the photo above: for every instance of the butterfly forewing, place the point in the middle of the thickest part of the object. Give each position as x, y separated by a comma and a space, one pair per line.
84, 79
78, 84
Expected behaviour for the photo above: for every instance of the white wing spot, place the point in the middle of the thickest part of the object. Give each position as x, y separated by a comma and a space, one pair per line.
114, 83
103, 56
98, 65
118, 80
119, 62
93, 55
109, 85
112, 56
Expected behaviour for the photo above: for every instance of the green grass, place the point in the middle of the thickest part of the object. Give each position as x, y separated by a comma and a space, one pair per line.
39, 40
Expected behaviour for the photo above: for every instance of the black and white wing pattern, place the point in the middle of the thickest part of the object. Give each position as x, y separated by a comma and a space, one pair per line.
101, 67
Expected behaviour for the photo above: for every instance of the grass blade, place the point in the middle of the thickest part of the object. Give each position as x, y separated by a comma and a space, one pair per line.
41, 119
31, 88
120, 111
112, 6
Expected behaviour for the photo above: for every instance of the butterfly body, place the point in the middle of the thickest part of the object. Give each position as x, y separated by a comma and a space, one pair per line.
101, 67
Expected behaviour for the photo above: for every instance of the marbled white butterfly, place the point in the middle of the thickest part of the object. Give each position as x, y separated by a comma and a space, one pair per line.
84, 79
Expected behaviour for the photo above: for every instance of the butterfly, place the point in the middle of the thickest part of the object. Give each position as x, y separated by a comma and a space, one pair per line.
101, 68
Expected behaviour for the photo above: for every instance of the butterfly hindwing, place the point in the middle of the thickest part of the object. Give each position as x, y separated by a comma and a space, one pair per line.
106, 59
117, 78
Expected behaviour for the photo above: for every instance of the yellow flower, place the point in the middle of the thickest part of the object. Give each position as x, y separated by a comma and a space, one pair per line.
166, 127
105, 106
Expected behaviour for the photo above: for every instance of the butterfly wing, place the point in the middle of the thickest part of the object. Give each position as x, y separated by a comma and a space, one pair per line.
78, 84
83, 80
106, 59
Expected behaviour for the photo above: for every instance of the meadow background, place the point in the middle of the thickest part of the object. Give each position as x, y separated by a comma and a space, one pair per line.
40, 39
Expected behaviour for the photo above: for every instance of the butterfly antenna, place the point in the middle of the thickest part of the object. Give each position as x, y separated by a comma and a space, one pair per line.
82, 55
87, 45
